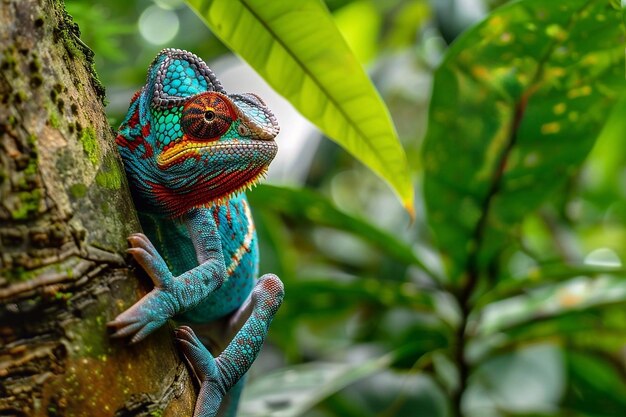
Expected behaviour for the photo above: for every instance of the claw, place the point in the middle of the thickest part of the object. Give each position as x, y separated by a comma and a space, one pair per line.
139, 240
190, 342
184, 333
197, 356
144, 317
149, 259
144, 332
126, 330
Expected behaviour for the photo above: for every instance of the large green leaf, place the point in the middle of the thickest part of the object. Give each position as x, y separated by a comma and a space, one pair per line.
296, 47
517, 105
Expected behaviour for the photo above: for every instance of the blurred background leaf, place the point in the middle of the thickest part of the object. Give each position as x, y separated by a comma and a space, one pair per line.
291, 391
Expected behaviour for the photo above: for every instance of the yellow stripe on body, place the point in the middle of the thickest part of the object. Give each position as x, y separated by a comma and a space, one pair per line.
245, 246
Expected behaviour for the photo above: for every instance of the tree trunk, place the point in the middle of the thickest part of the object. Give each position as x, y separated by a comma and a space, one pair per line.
65, 213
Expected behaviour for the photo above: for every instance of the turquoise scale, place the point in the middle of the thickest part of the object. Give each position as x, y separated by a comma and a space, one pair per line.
187, 86
168, 125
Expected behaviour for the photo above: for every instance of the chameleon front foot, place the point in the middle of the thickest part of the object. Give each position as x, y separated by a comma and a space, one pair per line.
148, 257
170, 296
218, 375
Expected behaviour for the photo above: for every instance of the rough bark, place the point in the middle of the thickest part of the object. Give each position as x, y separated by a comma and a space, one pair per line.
64, 217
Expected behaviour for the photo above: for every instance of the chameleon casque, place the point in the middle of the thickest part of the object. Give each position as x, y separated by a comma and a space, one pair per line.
189, 151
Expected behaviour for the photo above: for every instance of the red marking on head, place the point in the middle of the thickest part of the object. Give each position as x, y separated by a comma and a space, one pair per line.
135, 96
149, 152
169, 145
133, 143
145, 130
123, 141
134, 119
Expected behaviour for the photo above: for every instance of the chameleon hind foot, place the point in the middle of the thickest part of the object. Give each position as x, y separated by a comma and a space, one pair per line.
218, 375
170, 295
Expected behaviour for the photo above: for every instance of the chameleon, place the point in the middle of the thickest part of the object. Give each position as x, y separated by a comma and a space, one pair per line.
190, 150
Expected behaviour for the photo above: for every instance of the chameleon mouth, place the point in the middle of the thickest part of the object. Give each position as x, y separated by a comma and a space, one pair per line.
262, 151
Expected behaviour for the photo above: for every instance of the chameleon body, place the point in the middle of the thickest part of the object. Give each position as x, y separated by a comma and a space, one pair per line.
189, 151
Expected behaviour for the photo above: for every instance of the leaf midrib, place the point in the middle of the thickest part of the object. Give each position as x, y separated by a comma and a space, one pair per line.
304, 69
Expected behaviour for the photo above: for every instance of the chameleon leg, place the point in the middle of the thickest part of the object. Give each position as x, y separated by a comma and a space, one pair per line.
173, 295
218, 375
230, 403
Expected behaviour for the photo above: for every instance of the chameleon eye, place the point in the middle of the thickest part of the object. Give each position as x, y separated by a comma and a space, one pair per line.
207, 116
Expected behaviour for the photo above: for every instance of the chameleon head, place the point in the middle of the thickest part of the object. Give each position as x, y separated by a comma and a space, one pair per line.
205, 144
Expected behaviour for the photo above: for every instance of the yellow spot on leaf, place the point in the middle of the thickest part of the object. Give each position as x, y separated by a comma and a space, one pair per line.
480, 72
550, 128
590, 60
530, 26
496, 23
585, 90
555, 72
559, 108
573, 116
557, 32
534, 274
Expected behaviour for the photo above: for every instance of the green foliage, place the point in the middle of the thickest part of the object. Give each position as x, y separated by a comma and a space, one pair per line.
597, 387
517, 105
304, 205
299, 51
519, 99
